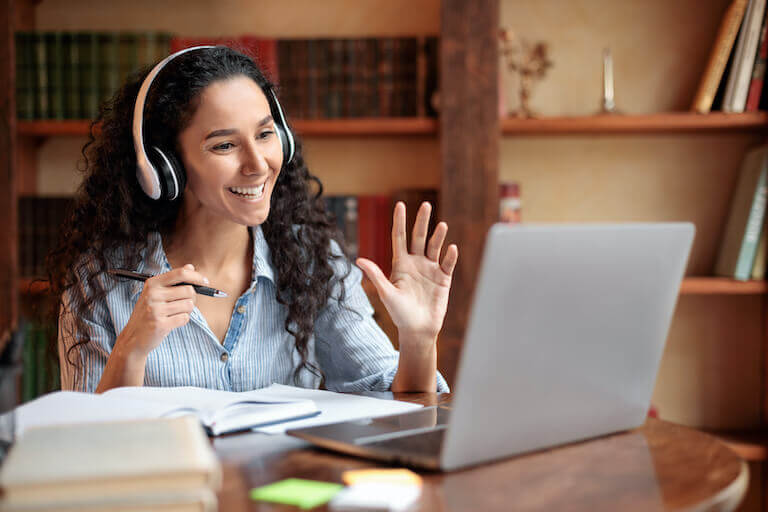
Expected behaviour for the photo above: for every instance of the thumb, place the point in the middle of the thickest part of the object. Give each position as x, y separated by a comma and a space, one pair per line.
374, 273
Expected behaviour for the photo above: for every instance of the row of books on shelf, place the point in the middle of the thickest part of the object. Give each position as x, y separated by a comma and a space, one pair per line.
66, 75
39, 224
734, 77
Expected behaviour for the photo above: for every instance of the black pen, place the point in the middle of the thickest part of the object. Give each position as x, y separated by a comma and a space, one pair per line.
137, 276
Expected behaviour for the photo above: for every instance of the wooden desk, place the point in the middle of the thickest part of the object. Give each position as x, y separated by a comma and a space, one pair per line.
660, 466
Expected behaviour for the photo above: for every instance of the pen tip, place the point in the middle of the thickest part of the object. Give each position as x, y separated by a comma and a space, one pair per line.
220, 293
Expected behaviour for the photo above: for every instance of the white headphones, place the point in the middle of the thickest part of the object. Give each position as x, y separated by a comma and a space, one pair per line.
160, 172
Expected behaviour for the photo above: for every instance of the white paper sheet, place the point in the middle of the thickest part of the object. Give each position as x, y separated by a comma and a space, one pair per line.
334, 407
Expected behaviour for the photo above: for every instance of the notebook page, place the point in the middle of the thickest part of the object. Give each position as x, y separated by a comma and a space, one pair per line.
206, 402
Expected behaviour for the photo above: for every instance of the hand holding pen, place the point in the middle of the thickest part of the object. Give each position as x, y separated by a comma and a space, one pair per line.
165, 303
136, 276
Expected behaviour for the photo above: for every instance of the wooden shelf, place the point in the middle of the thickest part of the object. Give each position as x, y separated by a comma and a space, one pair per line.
749, 445
670, 122
721, 286
305, 127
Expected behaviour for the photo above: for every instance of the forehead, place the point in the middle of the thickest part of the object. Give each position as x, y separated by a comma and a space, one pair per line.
234, 100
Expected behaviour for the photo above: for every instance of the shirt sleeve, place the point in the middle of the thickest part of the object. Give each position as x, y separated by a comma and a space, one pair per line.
89, 358
353, 352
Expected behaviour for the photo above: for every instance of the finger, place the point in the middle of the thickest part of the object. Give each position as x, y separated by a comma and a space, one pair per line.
450, 259
178, 306
185, 274
377, 277
436, 242
178, 320
420, 228
173, 293
399, 246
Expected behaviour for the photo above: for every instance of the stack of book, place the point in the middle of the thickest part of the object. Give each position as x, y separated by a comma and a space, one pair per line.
734, 77
40, 220
742, 253
146, 465
66, 75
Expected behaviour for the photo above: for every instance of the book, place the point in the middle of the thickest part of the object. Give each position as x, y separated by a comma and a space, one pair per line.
745, 220
758, 70
758, 267
129, 465
718, 57
219, 412
744, 58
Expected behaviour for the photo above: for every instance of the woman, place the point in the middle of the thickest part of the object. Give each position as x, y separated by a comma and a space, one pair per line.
247, 223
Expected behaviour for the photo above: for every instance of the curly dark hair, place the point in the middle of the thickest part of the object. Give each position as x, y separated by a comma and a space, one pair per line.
112, 216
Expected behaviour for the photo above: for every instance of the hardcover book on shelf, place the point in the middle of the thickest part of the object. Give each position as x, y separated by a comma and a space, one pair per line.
718, 57
145, 465
758, 70
737, 86
745, 220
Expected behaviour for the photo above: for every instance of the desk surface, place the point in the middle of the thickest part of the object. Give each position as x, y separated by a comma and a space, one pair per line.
660, 466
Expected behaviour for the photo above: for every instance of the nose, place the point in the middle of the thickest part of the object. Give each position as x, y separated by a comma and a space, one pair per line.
254, 161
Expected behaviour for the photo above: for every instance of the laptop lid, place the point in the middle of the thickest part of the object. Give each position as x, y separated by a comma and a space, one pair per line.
566, 333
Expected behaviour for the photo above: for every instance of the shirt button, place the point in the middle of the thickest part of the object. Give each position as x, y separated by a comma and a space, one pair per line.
241, 310
224, 357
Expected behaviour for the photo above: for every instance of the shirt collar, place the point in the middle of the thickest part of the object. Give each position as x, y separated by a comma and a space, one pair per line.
154, 260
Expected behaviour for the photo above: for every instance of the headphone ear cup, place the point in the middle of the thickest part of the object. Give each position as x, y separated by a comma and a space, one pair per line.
170, 172
286, 146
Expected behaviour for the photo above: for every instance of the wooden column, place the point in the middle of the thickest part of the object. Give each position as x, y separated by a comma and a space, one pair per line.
469, 143
8, 234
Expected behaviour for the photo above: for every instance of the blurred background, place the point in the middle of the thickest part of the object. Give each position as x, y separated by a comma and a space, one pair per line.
401, 99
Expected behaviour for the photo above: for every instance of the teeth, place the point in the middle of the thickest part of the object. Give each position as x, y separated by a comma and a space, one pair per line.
248, 191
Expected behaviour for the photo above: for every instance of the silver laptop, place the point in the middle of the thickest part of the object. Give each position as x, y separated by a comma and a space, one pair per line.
565, 336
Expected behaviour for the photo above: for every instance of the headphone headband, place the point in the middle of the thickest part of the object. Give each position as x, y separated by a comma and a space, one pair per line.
169, 179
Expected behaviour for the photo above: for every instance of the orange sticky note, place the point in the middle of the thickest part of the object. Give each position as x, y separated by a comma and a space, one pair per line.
383, 476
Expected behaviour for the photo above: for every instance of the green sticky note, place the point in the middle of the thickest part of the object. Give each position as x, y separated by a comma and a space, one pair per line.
296, 491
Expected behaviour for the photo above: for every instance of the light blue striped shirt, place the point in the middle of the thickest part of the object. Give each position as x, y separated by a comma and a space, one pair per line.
348, 346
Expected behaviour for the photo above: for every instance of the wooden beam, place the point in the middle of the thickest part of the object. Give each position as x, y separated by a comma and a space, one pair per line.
469, 143
8, 235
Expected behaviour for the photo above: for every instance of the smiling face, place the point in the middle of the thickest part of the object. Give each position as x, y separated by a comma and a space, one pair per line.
231, 153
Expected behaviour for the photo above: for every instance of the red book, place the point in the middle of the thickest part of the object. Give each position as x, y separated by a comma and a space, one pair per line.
374, 230
261, 50
758, 72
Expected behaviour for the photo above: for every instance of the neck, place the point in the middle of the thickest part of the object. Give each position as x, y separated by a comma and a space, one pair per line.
212, 245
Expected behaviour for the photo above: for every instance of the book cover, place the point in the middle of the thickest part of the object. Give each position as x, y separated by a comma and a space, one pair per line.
385, 56
718, 57
744, 57
758, 70
71, 65
108, 462
42, 110
745, 220
108, 65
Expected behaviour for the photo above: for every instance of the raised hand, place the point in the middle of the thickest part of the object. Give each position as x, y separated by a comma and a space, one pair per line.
416, 294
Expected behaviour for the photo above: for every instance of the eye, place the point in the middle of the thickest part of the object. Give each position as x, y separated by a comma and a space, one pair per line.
223, 146
265, 134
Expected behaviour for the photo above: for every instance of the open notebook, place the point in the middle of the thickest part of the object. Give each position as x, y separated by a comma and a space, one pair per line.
219, 412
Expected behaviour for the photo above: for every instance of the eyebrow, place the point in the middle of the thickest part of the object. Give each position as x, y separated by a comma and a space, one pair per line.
230, 131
